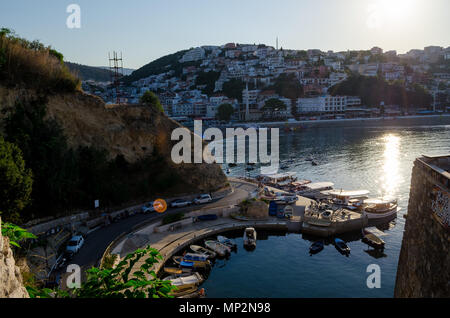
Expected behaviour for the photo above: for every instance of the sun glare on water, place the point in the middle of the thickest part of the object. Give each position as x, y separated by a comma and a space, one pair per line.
390, 178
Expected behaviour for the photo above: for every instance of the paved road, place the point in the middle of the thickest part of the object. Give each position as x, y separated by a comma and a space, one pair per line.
96, 242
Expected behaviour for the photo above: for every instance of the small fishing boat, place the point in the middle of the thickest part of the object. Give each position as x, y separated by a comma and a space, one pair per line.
380, 208
200, 293
231, 165
219, 248
372, 240
316, 247
284, 167
314, 163
192, 260
193, 279
341, 246
201, 250
250, 237
226, 241
176, 270
184, 291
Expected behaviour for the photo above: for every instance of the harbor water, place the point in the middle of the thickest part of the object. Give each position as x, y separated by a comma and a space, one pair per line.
376, 159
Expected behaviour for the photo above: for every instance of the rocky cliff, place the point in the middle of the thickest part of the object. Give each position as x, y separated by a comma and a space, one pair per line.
10, 278
424, 263
131, 131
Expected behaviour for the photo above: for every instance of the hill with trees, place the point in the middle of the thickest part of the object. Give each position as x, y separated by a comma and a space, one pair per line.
85, 72
374, 90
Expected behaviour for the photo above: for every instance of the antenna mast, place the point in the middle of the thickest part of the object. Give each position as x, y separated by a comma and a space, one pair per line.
116, 68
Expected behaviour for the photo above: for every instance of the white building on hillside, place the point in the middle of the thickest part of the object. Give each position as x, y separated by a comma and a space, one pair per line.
193, 55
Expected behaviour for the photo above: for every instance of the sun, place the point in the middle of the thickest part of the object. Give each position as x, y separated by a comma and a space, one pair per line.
390, 13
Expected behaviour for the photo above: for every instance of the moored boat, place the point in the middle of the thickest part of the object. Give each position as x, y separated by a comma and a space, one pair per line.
226, 241
316, 247
341, 246
219, 248
312, 190
380, 208
372, 240
192, 260
193, 279
177, 270
250, 237
201, 250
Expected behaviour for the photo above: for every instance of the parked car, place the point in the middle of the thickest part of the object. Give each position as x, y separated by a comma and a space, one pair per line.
180, 203
75, 244
204, 198
147, 208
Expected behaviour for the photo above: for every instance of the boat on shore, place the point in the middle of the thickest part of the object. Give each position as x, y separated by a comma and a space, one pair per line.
250, 237
316, 247
380, 208
204, 251
219, 248
227, 242
372, 240
198, 293
341, 246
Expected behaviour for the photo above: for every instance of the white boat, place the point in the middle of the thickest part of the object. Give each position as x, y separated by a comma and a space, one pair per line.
312, 190
250, 237
219, 248
380, 208
226, 241
201, 250
194, 279
347, 199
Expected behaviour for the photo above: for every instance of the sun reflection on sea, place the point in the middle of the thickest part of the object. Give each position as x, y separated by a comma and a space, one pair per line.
391, 178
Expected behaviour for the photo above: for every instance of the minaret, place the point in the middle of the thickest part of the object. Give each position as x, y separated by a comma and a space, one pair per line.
247, 108
277, 43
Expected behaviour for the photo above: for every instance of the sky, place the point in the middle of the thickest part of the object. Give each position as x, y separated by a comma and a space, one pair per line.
144, 30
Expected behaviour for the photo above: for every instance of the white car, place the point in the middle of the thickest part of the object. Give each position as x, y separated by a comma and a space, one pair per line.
204, 198
180, 203
75, 244
149, 207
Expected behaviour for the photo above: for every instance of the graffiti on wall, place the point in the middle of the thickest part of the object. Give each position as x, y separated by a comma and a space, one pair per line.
440, 206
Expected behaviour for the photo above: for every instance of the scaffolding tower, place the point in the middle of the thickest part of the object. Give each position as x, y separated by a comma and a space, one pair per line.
116, 68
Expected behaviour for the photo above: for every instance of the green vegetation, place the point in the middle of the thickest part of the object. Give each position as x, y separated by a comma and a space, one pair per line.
15, 181
233, 89
224, 112
71, 179
287, 85
117, 282
108, 261
15, 234
209, 79
151, 100
171, 218
33, 65
161, 65
85, 72
272, 106
373, 90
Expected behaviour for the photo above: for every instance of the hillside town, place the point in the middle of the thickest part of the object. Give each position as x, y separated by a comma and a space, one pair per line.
246, 76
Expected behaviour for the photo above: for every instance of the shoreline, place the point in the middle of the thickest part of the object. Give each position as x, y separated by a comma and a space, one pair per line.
400, 121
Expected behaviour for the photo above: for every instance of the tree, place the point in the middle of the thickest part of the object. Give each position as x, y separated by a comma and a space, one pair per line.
233, 89
150, 99
224, 112
15, 181
118, 282
287, 85
272, 105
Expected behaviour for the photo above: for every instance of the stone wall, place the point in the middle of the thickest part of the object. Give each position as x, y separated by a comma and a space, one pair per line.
424, 263
10, 278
